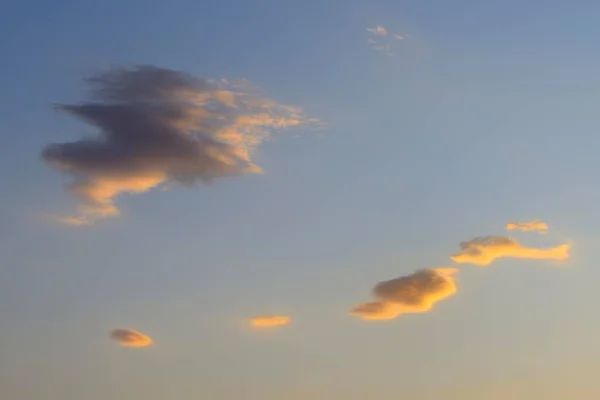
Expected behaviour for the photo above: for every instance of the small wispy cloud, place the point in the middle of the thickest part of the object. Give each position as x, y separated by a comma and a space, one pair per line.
384, 48
378, 31
269, 321
415, 293
534, 225
382, 41
130, 338
73, 221
160, 126
483, 251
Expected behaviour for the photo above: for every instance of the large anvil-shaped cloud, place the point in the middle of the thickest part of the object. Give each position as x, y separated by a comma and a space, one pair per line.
158, 125
483, 251
415, 293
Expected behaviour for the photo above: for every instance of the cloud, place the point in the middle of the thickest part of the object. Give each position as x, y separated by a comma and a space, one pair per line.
73, 221
269, 321
534, 225
381, 40
484, 250
415, 293
378, 31
377, 310
160, 126
130, 338
384, 48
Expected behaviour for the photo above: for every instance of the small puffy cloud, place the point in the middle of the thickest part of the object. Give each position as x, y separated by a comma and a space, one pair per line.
483, 251
269, 321
378, 31
159, 126
534, 225
130, 338
398, 36
415, 293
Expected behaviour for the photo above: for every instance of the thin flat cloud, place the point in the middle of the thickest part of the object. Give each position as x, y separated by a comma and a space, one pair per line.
269, 321
130, 338
159, 126
483, 251
412, 294
534, 225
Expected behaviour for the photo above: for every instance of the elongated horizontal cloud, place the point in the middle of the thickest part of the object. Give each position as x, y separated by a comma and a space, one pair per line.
378, 31
130, 338
269, 321
483, 251
158, 125
415, 293
534, 225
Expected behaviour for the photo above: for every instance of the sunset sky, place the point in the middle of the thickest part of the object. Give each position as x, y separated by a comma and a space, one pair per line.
420, 223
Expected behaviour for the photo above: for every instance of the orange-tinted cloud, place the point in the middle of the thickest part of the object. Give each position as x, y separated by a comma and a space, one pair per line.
269, 321
415, 293
484, 250
161, 126
377, 310
72, 221
534, 225
130, 338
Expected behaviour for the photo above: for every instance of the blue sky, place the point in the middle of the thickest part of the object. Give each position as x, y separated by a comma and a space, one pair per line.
486, 114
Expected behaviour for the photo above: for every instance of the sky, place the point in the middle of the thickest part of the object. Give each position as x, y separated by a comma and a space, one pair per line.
408, 135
